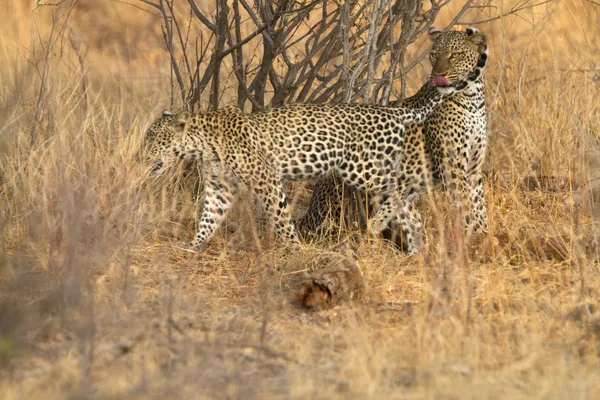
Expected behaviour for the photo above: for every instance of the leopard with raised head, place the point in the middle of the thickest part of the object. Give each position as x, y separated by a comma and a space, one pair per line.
363, 144
450, 145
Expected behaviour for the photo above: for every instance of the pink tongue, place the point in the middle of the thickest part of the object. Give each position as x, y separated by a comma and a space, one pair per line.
440, 81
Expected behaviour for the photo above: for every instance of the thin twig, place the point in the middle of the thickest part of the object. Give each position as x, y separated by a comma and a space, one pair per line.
511, 12
522, 74
51, 42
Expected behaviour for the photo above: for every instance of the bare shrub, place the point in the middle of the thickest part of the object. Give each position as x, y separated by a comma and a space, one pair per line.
295, 51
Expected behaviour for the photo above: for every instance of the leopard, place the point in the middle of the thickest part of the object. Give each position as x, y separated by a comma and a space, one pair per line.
363, 144
450, 145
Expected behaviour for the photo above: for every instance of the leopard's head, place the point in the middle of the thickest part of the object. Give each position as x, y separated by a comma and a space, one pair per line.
166, 141
158, 141
454, 54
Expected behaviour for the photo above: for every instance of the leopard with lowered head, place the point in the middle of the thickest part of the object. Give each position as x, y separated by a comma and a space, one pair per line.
362, 144
157, 140
450, 145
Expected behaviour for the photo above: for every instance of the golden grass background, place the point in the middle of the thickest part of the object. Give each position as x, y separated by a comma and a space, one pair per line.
97, 302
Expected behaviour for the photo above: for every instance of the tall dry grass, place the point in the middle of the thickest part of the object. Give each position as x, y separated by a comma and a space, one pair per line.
97, 301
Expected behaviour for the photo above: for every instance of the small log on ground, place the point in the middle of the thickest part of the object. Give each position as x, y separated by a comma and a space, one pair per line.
337, 278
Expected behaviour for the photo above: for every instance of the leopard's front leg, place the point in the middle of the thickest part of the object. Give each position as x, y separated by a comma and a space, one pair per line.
479, 217
219, 191
455, 180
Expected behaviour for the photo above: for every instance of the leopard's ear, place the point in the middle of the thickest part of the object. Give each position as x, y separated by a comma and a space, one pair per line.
478, 39
180, 122
471, 31
167, 113
434, 33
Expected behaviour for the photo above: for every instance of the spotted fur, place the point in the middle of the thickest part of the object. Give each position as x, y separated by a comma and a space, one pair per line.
362, 144
450, 145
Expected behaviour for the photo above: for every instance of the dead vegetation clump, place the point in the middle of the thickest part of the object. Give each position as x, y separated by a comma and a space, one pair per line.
336, 278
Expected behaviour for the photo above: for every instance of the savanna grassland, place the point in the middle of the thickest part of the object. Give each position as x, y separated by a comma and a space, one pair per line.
98, 301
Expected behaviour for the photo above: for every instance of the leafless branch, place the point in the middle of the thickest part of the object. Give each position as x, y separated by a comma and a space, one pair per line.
201, 16
300, 50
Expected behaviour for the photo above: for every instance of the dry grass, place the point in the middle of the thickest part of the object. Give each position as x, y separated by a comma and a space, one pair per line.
96, 301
